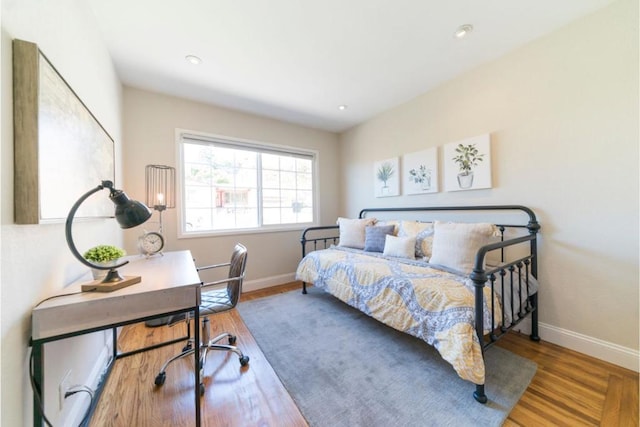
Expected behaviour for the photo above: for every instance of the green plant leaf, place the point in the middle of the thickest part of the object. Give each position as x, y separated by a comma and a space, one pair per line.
103, 253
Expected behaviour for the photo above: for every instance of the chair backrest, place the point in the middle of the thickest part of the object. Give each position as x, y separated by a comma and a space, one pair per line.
236, 269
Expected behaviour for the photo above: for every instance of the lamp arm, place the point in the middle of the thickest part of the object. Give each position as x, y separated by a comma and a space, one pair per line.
67, 229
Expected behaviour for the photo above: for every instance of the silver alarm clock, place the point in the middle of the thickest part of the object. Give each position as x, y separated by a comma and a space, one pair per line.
150, 243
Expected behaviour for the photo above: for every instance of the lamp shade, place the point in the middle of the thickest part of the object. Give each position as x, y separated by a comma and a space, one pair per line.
160, 187
129, 213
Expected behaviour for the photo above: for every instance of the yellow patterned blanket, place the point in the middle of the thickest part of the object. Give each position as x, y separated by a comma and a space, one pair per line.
410, 296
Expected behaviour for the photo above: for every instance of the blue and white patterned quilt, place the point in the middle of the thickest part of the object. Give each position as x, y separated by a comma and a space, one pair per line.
409, 295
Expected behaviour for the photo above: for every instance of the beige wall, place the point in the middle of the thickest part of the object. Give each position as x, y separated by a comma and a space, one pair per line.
150, 127
563, 114
35, 260
563, 118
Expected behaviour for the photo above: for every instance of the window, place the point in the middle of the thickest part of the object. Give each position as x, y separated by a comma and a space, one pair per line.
239, 185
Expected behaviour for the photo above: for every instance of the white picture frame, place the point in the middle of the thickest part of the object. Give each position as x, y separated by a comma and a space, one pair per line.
467, 164
420, 172
386, 176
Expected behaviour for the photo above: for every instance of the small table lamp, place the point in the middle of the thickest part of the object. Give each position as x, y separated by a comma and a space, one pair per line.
129, 213
160, 188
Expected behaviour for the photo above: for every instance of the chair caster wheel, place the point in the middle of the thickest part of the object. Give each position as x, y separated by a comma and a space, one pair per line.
160, 378
244, 360
201, 389
232, 339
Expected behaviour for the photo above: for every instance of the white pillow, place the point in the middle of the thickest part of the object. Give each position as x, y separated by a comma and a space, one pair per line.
402, 247
352, 231
455, 245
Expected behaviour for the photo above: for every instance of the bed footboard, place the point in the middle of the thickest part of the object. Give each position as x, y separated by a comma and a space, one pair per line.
510, 280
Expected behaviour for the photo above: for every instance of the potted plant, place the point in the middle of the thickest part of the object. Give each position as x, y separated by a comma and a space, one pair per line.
105, 255
384, 173
421, 176
466, 159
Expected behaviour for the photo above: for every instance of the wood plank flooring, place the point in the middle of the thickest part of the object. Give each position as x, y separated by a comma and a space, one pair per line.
569, 388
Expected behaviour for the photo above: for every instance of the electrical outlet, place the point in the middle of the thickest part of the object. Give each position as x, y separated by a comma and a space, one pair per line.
64, 386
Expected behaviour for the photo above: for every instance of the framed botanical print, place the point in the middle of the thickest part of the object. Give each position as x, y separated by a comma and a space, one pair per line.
387, 177
420, 172
467, 164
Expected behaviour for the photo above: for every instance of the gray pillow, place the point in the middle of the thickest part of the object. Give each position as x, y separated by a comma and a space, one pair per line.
375, 237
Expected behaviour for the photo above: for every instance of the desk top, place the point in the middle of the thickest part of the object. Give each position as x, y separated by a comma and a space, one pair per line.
169, 283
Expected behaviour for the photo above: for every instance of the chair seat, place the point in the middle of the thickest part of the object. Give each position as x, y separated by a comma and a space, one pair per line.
215, 301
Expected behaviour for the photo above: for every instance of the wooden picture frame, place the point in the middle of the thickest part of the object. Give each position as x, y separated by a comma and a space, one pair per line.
60, 149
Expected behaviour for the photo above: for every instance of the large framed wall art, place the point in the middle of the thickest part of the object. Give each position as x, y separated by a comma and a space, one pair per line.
60, 148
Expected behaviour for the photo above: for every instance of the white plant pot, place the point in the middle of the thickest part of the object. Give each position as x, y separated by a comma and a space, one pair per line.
465, 181
99, 274
426, 184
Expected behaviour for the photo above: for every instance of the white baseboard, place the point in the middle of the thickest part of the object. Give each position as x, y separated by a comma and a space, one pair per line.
594, 347
80, 402
254, 285
609, 352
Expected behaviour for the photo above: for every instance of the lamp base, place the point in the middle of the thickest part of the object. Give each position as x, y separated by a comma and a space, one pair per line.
100, 286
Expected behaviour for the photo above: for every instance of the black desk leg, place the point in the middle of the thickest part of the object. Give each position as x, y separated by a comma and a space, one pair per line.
38, 379
196, 353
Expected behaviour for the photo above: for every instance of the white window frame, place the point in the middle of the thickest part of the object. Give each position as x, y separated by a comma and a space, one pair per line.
183, 134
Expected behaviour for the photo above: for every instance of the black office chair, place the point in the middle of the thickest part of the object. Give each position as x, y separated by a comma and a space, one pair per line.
215, 299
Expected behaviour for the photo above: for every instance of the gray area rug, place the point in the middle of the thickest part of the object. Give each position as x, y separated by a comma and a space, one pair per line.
344, 368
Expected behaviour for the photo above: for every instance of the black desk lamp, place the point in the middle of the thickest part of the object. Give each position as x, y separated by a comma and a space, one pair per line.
129, 213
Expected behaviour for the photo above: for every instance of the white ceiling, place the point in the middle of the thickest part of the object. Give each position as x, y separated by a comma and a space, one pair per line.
297, 60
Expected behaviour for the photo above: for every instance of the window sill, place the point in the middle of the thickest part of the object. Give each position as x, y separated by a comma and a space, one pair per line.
239, 231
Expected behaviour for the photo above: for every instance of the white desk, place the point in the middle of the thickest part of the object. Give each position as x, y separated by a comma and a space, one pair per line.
170, 285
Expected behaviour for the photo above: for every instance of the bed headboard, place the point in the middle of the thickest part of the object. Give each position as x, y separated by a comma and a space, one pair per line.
532, 224
506, 217
503, 216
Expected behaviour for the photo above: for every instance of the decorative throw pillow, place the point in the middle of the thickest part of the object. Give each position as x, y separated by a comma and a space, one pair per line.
374, 237
352, 231
455, 245
423, 232
394, 222
402, 247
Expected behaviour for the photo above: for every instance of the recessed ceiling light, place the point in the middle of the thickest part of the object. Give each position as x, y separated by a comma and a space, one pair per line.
342, 107
193, 59
463, 30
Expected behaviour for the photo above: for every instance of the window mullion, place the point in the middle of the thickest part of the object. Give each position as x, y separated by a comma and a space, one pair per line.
259, 189
280, 207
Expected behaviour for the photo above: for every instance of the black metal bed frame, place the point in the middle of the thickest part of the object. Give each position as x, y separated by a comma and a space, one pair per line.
527, 264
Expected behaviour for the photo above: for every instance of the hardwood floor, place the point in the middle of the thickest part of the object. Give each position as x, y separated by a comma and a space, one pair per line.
569, 388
